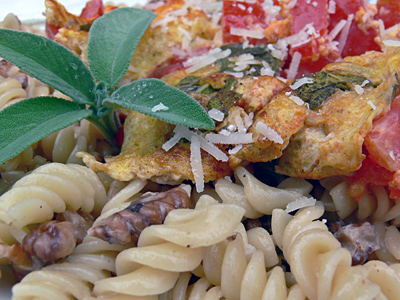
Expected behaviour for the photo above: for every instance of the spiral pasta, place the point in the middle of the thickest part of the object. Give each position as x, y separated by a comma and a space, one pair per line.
165, 251
91, 261
258, 198
51, 188
374, 206
323, 268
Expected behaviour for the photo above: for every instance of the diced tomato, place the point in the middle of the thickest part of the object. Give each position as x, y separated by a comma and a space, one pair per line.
383, 143
173, 65
389, 12
394, 186
370, 173
51, 31
312, 14
358, 41
93, 9
244, 15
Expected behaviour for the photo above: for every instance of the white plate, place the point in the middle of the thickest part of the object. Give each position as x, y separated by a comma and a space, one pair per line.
33, 9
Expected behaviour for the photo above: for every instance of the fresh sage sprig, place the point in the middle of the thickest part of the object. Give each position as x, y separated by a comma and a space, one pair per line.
112, 42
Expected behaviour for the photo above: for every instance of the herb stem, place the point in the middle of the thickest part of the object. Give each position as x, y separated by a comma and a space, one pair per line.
104, 129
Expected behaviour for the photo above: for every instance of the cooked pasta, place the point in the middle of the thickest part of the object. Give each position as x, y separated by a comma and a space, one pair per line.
49, 189
166, 250
323, 268
91, 261
258, 198
373, 206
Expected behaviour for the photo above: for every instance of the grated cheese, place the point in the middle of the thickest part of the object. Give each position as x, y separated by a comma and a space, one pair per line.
204, 144
216, 114
296, 99
299, 82
196, 164
335, 31
235, 149
266, 69
345, 33
300, 203
365, 82
257, 34
391, 43
391, 154
240, 125
269, 133
233, 138
159, 107
331, 7
359, 89
172, 142
294, 65
195, 63
372, 104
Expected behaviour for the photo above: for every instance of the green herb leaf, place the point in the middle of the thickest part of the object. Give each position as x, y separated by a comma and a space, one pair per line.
325, 84
113, 39
144, 95
49, 62
28, 121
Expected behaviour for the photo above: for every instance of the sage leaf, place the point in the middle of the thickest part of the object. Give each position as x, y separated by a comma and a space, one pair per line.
49, 62
113, 39
28, 121
154, 98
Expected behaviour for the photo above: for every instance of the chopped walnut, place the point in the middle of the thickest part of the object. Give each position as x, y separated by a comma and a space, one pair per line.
50, 241
360, 239
151, 208
81, 221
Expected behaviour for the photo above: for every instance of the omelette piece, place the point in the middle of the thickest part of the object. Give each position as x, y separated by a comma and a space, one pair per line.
178, 32
282, 115
142, 156
331, 141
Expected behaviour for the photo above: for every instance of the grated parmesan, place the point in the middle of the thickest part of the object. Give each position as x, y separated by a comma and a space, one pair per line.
257, 34
345, 33
391, 43
331, 7
159, 107
216, 114
235, 149
195, 63
372, 104
204, 144
196, 164
359, 89
294, 65
299, 82
296, 99
233, 138
269, 133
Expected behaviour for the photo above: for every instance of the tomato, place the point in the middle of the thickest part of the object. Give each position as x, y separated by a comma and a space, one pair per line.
383, 143
370, 173
358, 41
93, 9
244, 15
173, 65
388, 12
51, 30
313, 14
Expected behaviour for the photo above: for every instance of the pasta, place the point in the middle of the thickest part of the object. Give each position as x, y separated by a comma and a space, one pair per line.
323, 268
49, 189
165, 250
241, 238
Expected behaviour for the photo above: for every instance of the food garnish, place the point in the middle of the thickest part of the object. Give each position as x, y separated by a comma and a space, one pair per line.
94, 91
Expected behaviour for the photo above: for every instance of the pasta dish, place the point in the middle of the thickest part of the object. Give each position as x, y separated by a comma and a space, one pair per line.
293, 195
